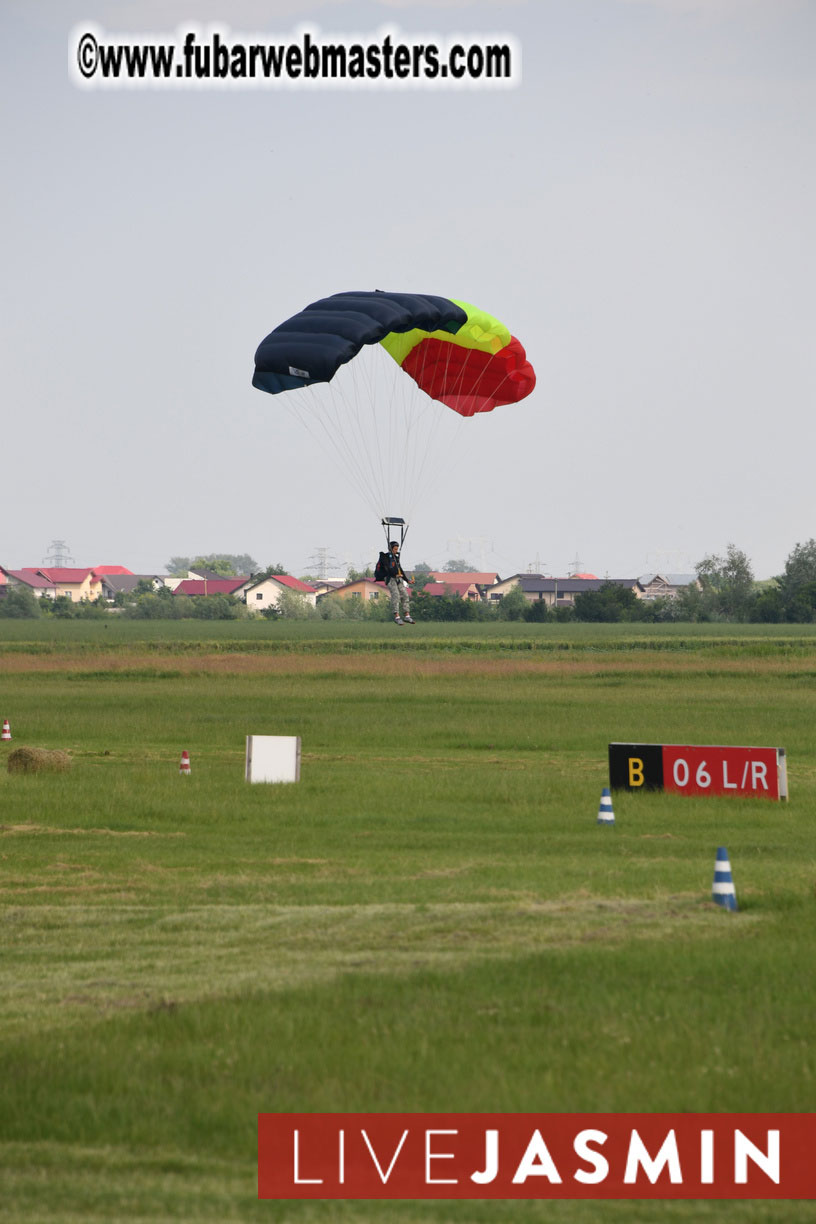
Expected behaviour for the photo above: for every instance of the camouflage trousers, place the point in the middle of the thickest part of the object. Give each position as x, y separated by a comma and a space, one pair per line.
400, 597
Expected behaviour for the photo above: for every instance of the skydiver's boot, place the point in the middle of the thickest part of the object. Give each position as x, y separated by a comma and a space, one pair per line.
408, 620
398, 620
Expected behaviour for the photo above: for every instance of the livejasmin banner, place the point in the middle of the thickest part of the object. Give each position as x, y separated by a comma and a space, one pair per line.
536, 1156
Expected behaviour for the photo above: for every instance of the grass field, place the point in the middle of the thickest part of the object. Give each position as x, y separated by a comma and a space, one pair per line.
430, 920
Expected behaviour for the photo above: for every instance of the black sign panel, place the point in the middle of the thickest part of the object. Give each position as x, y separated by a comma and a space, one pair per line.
636, 766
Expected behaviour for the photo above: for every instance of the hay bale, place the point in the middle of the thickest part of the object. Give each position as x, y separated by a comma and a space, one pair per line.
38, 760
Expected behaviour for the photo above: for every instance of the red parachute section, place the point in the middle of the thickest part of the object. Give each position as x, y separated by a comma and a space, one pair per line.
469, 380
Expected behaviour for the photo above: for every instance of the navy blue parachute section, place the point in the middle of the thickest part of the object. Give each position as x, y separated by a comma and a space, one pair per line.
311, 346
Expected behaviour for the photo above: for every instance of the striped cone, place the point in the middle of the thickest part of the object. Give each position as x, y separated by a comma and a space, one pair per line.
184, 763
723, 891
6, 730
605, 814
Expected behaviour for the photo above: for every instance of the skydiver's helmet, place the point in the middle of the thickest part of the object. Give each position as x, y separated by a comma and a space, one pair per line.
393, 544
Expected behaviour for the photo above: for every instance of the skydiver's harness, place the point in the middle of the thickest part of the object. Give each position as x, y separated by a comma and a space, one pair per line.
388, 566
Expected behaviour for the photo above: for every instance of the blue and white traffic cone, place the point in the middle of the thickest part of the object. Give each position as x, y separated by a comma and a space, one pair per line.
605, 814
723, 891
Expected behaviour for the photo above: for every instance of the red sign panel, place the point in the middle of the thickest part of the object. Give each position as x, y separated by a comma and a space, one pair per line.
536, 1156
698, 770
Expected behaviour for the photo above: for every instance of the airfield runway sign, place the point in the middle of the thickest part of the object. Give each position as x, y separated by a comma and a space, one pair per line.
696, 769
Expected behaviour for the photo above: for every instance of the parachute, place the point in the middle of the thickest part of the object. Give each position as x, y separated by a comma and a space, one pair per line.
455, 354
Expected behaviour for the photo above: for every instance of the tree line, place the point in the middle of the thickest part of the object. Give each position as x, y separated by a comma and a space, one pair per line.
726, 591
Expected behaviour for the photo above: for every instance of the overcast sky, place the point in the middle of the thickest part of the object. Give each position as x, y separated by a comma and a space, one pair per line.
639, 212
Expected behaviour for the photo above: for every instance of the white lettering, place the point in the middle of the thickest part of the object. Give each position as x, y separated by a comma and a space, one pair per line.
341, 1159
667, 1155
759, 772
679, 768
536, 1162
726, 784
600, 1163
767, 1161
429, 1156
303, 1181
491, 1168
384, 1176
707, 1157
702, 777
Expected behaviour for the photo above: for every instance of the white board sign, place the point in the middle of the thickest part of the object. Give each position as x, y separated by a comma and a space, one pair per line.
273, 758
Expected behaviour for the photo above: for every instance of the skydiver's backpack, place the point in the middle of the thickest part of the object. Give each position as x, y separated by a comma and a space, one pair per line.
381, 569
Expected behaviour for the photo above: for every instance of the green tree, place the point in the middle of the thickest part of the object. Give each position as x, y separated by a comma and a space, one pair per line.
768, 607
331, 609
457, 565
538, 611
611, 602
152, 606
801, 608
800, 572
294, 606
513, 606
229, 564
19, 603
63, 607
727, 584
214, 607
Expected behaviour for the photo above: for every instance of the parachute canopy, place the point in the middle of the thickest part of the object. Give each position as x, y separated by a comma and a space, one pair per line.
456, 353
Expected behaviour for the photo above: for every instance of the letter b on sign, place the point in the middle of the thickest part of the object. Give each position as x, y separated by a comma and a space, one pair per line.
636, 766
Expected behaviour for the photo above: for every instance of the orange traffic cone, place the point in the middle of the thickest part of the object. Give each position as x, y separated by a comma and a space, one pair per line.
184, 764
6, 730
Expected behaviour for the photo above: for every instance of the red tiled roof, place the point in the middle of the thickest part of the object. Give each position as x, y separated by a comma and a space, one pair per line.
209, 586
448, 588
31, 578
293, 583
63, 574
111, 569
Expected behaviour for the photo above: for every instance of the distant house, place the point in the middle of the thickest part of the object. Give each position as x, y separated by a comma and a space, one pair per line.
263, 593
76, 584
210, 586
482, 581
461, 590
31, 579
124, 584
327, 586
361, 588
555, 591
665, 586
201, 571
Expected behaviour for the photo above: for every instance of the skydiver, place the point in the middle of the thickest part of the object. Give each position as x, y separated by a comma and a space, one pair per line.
396, 582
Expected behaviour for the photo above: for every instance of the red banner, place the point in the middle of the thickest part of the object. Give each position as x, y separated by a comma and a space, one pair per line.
536, 1156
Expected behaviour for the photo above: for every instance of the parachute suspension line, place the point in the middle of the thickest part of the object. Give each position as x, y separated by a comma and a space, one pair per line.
316, 412
352, 412
440, 428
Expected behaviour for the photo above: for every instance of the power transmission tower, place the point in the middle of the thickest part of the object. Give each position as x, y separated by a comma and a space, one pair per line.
58, 555
322, 561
